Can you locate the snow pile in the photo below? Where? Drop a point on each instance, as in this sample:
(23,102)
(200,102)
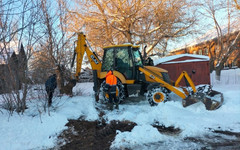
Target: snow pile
(141,134)
(35,130)
(193,120)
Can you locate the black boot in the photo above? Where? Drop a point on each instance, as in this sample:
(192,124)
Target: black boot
(116,106)
(110,106)
(49,101)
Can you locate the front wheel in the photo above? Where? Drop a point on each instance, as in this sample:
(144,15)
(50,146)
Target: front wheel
(120,92)
(156,95)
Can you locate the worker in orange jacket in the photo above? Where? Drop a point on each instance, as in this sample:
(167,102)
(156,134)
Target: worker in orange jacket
(110,87)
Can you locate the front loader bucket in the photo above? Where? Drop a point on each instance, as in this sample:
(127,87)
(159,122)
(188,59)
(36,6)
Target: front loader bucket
(212,99)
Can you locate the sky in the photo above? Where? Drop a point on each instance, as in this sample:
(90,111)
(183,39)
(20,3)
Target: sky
(205,25)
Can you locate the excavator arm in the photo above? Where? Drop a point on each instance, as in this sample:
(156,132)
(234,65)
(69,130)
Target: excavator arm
(187,79)
(210,98)
(158,79)
(80,50)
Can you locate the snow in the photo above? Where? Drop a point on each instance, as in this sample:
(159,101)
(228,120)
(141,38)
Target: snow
(165,60)
(38,131)
(138,135)
(35,130)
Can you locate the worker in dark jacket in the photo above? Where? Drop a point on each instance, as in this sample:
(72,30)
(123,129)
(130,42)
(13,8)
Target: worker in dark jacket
(50,86)
(110,87)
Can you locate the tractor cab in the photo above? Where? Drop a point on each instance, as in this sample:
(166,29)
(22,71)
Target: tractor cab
(123,58)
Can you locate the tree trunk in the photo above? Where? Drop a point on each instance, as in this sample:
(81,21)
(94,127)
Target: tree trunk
(129,37)
(218,71)
(25,91)
(64,82)
(60,80)
(211,64)
(218,74)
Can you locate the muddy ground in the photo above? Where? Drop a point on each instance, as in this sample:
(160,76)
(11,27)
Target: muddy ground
(92,135)
(98,135)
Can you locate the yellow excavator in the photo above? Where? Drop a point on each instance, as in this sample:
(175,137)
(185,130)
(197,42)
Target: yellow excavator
(136,78)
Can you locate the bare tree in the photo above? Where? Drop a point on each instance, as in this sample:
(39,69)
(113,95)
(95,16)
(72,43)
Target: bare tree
(237,4)
(54,51)
(14,25)
(109,22)
(226,39)
(40,26)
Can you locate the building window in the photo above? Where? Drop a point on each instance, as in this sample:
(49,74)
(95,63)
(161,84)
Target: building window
(200,52)
(206,51)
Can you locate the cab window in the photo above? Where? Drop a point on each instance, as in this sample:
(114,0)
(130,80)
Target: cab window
(122,62)
(137,58)
(108,60)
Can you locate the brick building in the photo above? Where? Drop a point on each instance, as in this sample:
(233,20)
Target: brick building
(208,45)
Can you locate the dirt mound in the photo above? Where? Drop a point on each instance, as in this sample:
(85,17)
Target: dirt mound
(97,135)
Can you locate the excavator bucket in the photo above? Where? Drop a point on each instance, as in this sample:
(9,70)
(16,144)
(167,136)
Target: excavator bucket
(210,98)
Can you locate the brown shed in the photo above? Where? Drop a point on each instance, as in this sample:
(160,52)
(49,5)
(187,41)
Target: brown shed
(189,63)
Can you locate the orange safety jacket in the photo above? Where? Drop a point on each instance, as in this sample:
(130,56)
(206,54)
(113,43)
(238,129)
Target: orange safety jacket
(111,79)
(111,82)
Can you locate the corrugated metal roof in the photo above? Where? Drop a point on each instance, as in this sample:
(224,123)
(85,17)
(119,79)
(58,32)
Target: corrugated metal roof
(170,58)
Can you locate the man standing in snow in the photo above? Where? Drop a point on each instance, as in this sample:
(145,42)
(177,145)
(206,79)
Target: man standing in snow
(110,87)
(50,86)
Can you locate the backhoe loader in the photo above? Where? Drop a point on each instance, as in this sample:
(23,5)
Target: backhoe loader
(136,78)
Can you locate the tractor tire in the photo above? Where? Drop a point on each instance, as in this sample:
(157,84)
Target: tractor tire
(156,95)
(103,96)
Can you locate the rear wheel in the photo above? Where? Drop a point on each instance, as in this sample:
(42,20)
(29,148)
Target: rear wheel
(120,93)
(156,95)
